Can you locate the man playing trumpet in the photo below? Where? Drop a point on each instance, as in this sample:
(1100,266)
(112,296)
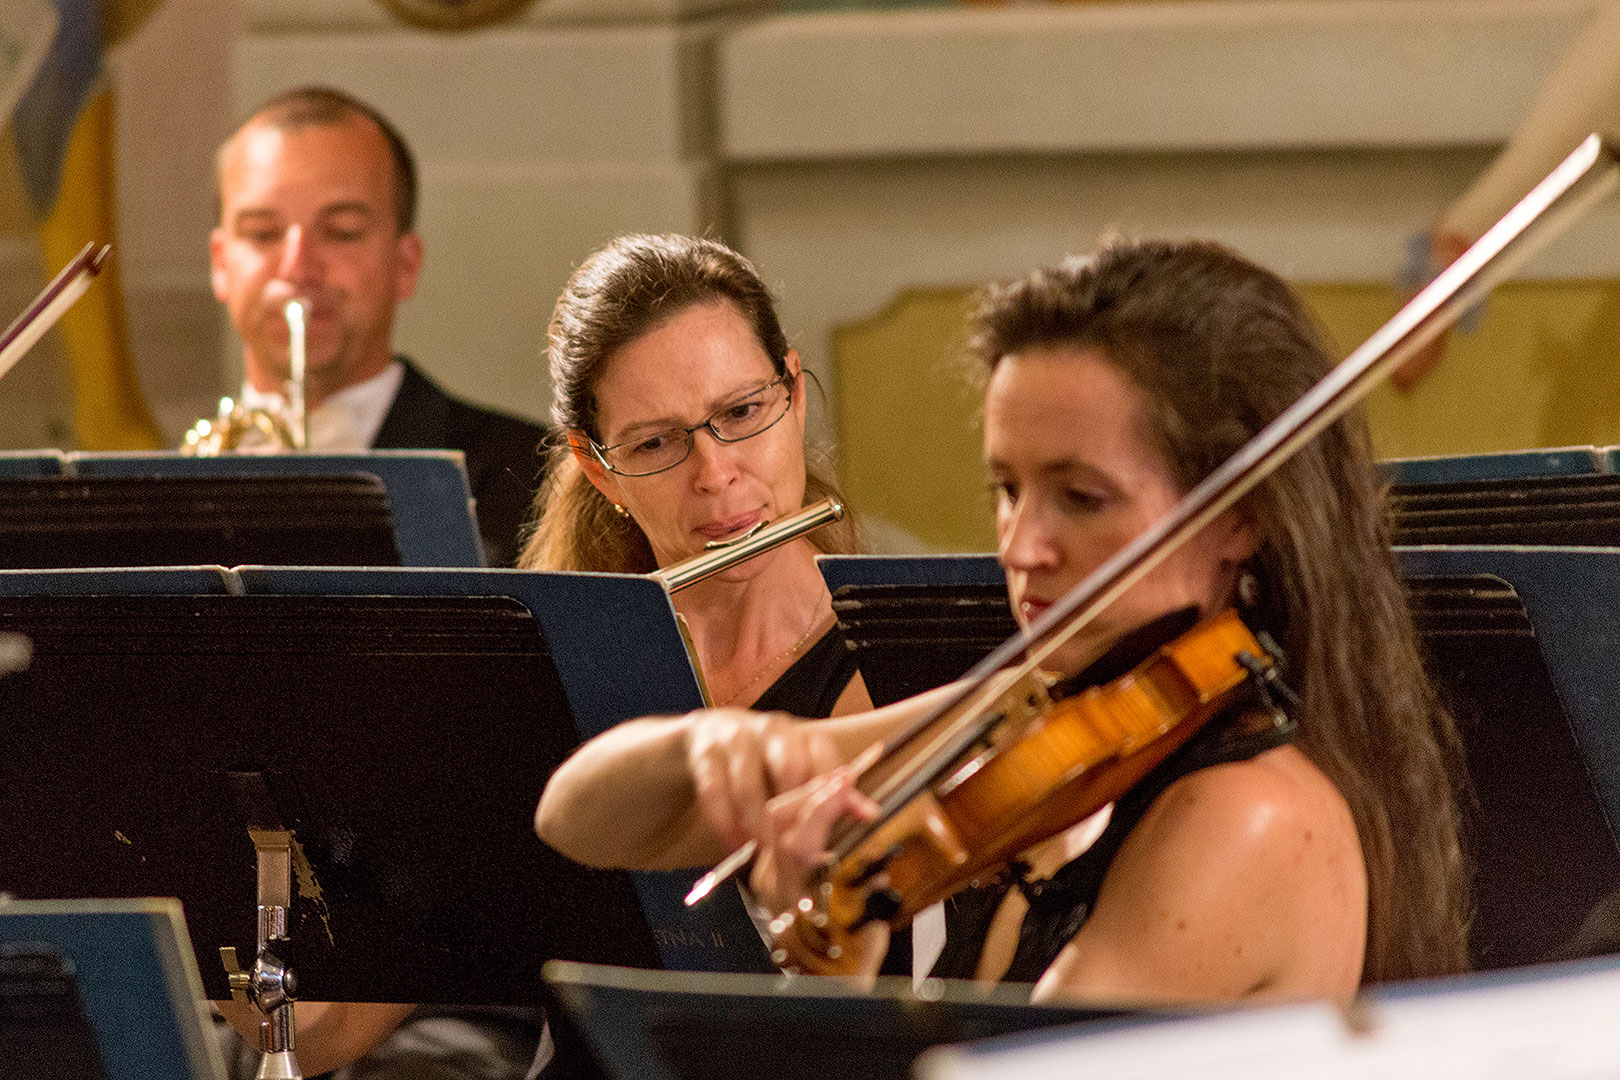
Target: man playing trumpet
(317,197)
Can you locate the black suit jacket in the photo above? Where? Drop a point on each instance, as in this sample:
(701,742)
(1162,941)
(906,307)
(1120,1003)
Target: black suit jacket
(505,458)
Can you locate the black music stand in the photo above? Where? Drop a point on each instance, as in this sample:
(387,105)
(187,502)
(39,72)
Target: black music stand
(648,1025)
(917,621)
(378,508)
(1521,643)
(403,739)
(376,708)
(621,657)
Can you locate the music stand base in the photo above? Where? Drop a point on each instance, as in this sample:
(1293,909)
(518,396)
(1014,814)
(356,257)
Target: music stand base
(279,1066)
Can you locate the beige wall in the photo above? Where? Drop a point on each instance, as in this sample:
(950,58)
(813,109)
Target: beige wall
(173,83)
(853,155)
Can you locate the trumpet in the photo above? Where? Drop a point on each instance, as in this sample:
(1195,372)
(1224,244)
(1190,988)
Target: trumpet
(265,431)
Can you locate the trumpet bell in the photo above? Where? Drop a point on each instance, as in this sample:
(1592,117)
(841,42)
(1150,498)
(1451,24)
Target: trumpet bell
(239,429)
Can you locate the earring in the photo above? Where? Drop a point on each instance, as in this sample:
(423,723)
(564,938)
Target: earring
(1248,588)
(621,511)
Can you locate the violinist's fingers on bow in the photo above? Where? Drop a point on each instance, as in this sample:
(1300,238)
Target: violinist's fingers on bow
(739,760)
(725,767)
(795,757)
(793,847)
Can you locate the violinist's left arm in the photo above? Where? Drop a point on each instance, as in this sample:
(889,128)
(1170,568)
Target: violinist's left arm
(1242,880)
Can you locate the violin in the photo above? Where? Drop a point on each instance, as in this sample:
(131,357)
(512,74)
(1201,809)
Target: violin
(1056,753)
(1006,762)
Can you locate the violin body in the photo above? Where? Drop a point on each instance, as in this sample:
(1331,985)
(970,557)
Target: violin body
(1044,765)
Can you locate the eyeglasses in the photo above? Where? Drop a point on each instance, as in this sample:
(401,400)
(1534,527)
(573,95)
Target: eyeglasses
(744,418)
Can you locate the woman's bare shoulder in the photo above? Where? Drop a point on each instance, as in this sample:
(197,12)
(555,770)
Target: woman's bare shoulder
(1241,879)
(1242,829)
(1279,796)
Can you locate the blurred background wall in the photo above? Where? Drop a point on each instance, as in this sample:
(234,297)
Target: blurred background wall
(876,161)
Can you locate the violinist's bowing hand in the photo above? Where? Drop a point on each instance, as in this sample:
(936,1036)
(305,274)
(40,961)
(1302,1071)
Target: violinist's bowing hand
(699,782)
(740,760)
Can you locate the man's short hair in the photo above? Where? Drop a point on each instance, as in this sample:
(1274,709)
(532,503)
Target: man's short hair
(311,106)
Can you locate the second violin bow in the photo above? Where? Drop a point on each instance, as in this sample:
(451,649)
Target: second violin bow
(51,304)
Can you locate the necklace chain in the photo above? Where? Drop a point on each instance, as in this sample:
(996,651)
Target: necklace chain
(769,670)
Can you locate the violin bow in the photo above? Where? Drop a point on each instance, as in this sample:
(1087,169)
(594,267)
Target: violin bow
(1588,174)
(38,317)
(51,304)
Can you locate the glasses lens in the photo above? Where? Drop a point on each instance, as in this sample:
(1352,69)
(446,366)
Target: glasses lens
(657,452)
(742,419)
(752,415)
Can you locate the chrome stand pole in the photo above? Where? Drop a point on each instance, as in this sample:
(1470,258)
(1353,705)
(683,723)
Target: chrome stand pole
(269,984)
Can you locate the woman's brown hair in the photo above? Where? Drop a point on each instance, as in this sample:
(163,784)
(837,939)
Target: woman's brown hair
(1219,347)
(627,289)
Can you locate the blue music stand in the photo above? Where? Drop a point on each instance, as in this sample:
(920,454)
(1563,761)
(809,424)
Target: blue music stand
(909,570)
(118,973)
(1511,465)
(426,490)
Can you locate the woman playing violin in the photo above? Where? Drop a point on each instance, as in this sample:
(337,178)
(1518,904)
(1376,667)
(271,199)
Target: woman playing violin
(1295,862)
(684,410)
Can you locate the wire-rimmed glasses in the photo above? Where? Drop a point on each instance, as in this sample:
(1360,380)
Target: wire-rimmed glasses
(750,415)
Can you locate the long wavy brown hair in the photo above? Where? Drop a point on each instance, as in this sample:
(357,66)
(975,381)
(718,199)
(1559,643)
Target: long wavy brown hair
(628,289)
(1219,347)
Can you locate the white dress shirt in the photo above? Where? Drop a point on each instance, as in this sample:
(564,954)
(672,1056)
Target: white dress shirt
(348,420)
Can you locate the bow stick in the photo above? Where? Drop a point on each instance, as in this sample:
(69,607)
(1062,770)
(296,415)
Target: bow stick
(51,304)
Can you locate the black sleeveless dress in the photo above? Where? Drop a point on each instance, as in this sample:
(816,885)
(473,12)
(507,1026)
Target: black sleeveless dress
(1060,905)
(812,686)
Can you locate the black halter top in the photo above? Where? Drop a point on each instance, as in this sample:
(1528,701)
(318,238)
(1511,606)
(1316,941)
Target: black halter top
(1059,905)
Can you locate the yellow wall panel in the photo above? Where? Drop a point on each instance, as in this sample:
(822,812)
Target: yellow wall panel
(907,420)
(1542,369)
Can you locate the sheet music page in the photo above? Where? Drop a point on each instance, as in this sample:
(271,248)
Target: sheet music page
(1554,1023)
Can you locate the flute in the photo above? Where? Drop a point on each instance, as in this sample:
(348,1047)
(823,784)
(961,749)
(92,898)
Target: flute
(723,554)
